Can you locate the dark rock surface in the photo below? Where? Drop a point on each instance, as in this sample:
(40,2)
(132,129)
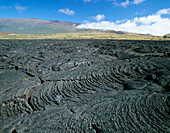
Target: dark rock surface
(84,86)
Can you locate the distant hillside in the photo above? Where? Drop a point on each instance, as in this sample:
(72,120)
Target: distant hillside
(28,27)
(166,36)
(3,33)
(35,26)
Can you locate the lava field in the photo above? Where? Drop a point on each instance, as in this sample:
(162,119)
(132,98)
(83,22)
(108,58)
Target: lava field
(84,86)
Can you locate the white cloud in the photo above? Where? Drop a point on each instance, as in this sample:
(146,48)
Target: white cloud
(66,11)
(115,3)
(151,24)
(125,4)
(121,21)
(95,1)
(163,11)
(99,17)
(20,9)
(136,2)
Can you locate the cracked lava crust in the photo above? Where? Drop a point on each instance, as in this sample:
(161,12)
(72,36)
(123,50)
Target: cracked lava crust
(68,86)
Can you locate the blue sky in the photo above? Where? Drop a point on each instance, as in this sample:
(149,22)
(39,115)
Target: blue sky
(97,14)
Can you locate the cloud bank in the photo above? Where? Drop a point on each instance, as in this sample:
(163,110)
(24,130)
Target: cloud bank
(67,11)
(152,24)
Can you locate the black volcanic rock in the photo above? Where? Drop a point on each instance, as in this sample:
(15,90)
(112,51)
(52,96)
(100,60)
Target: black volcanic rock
(136,84)
(69,86)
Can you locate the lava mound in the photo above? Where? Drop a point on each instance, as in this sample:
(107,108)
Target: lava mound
(69,86)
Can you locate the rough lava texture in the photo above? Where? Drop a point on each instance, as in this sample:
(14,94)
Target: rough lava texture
(95,86)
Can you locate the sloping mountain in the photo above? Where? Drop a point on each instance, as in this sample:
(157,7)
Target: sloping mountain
(28,27)
(3,33)
(167,35)
(35,26)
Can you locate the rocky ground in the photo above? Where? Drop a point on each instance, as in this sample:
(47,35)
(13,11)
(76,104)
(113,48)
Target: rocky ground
(102,86)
